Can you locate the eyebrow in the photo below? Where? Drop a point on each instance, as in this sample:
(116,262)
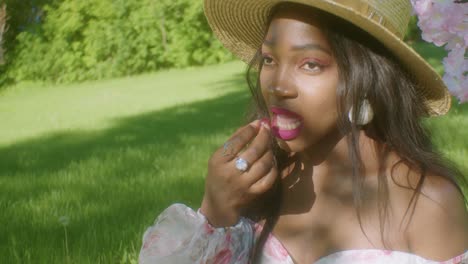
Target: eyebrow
(307,46)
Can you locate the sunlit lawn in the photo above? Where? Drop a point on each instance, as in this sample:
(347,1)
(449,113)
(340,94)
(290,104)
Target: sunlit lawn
(109,156)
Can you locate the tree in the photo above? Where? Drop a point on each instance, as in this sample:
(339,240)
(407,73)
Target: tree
(69,40)
(3,29)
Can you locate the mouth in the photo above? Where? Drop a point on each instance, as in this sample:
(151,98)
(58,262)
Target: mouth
(285,124)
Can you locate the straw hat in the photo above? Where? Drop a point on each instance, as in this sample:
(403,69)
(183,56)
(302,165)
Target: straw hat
(241,25)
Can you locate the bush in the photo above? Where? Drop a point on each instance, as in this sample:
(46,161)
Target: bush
(413,32)
(88,39)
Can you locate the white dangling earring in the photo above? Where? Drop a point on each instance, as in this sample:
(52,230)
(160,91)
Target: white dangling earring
(366,114)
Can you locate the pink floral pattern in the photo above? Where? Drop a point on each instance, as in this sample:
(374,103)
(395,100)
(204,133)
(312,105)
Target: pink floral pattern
(365,256)
(223,257)
(183,236)
(275,250)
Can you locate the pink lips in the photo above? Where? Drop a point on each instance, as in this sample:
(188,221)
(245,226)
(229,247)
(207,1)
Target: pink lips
(285,124)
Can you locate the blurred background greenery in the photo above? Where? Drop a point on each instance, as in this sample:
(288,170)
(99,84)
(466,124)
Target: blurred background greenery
(64,41)
(101,130)
(69,40)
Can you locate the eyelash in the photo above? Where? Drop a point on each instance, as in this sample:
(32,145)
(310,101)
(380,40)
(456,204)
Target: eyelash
(313,63)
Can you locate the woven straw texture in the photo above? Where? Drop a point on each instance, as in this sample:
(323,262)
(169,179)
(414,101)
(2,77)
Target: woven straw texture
(241,25)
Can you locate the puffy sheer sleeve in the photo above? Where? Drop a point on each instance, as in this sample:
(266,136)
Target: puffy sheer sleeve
(181,235)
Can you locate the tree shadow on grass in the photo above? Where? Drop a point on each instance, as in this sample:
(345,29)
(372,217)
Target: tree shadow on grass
(112,183)
(52,152)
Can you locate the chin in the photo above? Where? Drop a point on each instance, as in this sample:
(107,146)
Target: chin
(292,146)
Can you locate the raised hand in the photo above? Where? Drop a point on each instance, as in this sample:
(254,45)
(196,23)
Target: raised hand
(230,188)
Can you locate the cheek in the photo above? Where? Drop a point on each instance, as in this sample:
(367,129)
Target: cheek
(322,91)
(321,101)
(264,84)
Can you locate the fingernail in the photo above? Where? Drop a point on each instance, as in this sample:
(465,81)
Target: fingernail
(265,123)
(255,124)
(266,126)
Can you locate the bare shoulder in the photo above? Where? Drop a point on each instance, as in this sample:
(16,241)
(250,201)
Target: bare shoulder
(438,228)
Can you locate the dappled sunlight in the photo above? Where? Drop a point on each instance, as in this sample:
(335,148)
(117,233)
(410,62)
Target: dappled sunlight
(93,106)
(104,180)
(450,134)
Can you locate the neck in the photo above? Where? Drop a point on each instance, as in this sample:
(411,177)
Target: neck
(327,172)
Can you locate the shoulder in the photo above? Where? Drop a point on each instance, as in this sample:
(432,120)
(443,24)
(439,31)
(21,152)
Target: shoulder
(438,226)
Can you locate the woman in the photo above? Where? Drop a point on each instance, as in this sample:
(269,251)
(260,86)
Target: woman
(338,169)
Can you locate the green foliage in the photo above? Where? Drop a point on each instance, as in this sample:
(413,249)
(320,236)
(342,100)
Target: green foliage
(22,16)
(88,39)
(413,33)
(69,40)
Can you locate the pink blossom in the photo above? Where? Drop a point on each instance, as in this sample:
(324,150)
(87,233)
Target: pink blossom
(451,82)
(463,94)
(458,87)
(422,7)
(442,23)
(455,41)
(455,61)
(456,65)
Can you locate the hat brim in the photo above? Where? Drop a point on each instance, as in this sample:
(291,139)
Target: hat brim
(241,25)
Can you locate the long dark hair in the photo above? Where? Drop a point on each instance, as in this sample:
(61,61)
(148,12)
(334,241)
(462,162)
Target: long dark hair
(366,70)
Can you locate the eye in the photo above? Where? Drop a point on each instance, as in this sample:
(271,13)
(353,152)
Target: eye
(312,66)
(267,60)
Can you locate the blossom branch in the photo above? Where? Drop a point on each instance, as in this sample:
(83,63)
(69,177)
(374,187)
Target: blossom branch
(444,23)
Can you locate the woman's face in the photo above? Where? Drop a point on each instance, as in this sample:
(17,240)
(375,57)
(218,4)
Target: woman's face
(298,80)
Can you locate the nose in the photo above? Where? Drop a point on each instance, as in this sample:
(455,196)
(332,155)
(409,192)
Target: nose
(282,86)
(281,92)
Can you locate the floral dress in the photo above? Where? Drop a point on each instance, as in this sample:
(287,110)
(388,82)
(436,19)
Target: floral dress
(181,235)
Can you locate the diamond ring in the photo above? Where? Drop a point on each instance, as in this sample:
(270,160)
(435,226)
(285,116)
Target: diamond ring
(241,164)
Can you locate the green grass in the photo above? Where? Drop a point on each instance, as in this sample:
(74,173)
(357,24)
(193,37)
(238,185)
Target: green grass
(450,133)
(111,155)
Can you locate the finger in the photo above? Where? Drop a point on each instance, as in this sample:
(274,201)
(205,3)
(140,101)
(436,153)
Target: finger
(258,147)
(265,183)
(259,169)
(238,141)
